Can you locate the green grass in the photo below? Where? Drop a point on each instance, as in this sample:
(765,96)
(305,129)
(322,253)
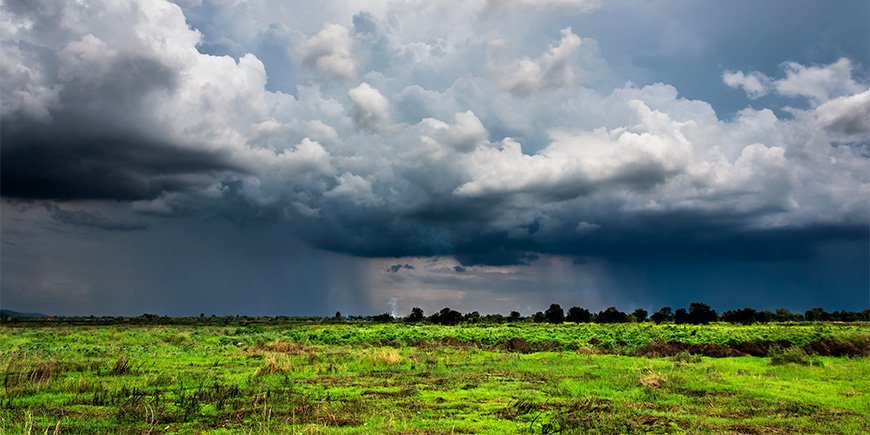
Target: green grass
(393,378)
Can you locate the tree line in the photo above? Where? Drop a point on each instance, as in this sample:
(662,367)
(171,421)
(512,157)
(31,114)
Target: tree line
(697,313)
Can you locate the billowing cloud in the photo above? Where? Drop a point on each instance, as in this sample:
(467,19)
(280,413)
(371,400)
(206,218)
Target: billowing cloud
(819,83)
(371,108)
(552,69)
(330,52)
(755,83)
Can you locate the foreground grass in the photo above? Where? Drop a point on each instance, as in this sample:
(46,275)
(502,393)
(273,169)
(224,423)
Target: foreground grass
(364,378)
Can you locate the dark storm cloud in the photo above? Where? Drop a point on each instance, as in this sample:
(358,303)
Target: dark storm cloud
(75,163)
(98,139)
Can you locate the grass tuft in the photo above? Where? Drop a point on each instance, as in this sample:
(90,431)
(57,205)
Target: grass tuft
(122,366)
(788,355)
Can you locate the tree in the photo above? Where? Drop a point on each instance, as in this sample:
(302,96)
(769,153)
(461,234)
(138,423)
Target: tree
(639,315)
(472,317)
(539,317)
(784,315)
(579,315)
(817,314)
(416,315)
(745,316)
(611,315)
(701,314)
(664,314)
(386,317)
(515,316)
(681,316)
(337,315)
(555,314)
(446,316)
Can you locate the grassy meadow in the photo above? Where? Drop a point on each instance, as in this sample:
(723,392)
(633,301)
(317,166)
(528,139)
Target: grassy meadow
(361,377)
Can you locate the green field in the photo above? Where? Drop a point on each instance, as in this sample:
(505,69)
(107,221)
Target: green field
(359,377)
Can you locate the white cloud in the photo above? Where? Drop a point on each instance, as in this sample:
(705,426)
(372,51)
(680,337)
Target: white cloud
(849,115)
(371,107)
(819,83)
(552,69)
(755,83)
(330,51)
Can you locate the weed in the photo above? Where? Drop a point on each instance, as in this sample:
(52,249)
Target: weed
(788,355)
(122,366)
(686,358)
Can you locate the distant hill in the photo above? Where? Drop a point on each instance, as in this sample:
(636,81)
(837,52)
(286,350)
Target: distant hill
(11,313)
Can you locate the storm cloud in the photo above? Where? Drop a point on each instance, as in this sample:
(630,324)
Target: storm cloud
(394,131)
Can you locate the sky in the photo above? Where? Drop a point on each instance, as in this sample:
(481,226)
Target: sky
(267,157)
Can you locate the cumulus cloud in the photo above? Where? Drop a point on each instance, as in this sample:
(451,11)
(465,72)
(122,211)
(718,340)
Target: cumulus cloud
(552,69)
(849,115)
(371,108)
(818,83)
(755,83)
(330,51)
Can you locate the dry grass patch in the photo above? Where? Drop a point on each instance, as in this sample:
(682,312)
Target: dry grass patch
(273,365)
(386,356)
(652,380)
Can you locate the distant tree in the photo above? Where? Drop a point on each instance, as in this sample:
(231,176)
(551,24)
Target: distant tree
(515,316)
(416,315)
(784,315)
(639,315)
(681,316)
(765,316)
(539,317)
(664,314)
(337,315)
(386,317)
(555,314)
(611,315)
(578,315)
(446,316)
(472,317)
(745,316)
(493,318)
(701,314)
(817,314)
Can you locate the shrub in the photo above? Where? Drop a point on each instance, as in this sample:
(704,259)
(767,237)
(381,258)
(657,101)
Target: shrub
(788,355)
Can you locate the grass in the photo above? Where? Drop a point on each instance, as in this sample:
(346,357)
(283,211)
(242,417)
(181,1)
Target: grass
(394,378)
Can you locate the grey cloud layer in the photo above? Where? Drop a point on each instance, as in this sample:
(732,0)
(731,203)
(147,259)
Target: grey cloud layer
(393,143)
